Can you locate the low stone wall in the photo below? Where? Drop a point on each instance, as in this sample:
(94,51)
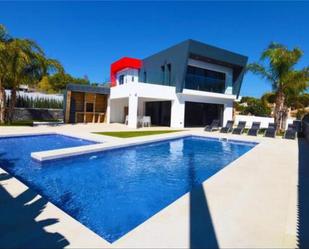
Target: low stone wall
(37,114)
(305,126)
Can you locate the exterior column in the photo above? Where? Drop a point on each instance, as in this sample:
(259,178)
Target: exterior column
(132,117)
(108,110)
(67,107)
(178,113)
(228,112)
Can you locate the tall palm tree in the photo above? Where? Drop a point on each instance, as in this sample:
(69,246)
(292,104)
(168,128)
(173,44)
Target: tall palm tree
(280,71)
(26,64)
(4,39)
(22,61)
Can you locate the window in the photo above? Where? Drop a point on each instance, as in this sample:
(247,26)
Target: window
(145,77)
(169,73)
(163,74)
(205,80)
(89,107)
(121,79)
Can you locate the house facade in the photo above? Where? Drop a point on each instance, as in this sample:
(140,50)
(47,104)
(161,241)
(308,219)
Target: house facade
(186,85)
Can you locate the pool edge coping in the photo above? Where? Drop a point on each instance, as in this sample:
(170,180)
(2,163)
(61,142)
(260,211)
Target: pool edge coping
(50,155)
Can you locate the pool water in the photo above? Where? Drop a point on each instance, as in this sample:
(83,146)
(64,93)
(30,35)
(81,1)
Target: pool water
(114,191)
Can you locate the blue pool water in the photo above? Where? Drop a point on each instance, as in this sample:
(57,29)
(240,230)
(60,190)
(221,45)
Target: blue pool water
(114,191)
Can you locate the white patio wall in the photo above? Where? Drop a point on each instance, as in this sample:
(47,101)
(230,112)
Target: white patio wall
(116,110)
(264,120)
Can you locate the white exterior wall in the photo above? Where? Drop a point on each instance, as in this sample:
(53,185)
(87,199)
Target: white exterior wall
(136,94)
(116,113)
(133,106)
(227,113)
(178,112)
(130,76)
(227,71)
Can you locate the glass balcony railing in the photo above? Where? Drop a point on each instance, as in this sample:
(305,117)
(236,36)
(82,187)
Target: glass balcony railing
(201,83)
(156,77)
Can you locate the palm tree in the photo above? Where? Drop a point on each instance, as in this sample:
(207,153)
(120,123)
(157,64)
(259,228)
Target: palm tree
(4,39)
(280,71)
(22,61)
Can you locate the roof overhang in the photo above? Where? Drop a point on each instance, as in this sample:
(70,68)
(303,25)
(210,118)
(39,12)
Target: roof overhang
(121,64)
(88,89)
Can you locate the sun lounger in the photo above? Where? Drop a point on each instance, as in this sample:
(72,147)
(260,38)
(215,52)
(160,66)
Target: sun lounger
(228,127)
(290,133)
(240,128)
(253,131)
(271,130)
(213,126)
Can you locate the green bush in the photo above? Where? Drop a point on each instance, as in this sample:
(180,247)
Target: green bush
(238,107)
(27,102)
(257,108)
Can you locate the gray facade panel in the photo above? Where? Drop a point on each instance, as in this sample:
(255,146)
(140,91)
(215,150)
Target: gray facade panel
(177,56)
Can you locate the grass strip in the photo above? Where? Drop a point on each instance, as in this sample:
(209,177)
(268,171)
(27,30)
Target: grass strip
(129,134)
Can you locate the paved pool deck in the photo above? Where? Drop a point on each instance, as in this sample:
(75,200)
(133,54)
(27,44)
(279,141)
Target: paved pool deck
(252,203)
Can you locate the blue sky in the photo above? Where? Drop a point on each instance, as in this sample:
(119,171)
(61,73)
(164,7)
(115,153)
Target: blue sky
(87,36)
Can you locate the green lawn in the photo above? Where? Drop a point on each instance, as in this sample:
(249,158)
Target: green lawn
(19,123)
(28,122)
(128,134)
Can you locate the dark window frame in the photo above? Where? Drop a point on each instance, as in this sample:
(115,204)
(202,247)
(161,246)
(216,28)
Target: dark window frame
(121,79)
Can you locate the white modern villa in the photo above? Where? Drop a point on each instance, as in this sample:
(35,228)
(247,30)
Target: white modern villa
(186,85)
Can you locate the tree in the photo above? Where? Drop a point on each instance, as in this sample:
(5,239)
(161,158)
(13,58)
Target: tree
(257,108)
(22,62)
(45,86)
(280,71)
(247,99)
(268,98)
(58,81)
(4,39)
(304,99)
(254,106)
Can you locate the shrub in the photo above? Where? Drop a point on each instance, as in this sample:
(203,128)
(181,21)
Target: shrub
(27,102)
(257,108)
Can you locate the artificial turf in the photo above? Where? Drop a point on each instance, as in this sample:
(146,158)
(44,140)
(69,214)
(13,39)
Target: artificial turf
(128,134)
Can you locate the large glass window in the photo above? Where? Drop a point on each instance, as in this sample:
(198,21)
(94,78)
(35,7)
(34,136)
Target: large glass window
(205,80)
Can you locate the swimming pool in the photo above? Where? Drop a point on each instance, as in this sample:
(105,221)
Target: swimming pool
(114,191)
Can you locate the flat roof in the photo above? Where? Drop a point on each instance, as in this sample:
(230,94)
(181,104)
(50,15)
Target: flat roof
(88,88)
